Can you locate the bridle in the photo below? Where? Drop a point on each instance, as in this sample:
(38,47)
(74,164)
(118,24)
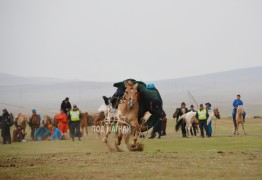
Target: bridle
(131,101)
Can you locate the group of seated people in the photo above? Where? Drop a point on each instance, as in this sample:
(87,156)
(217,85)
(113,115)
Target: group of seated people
(48,133)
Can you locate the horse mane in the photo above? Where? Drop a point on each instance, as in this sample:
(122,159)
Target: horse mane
(239,113)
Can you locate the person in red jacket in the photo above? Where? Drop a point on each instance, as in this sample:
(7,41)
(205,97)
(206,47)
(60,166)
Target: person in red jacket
(62,122)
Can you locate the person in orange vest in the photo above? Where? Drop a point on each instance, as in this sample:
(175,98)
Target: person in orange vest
(62,123)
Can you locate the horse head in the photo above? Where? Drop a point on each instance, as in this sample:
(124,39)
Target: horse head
(240,110)
(130,94)
(217,113)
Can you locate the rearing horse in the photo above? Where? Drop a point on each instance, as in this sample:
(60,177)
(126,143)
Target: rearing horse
(128,113)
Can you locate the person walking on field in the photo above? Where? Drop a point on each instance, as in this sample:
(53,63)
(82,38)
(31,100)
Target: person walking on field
(202,116)
(6,124)
(75,117)
(194,128)
(66,105)
(209,126)
(237,102)
(183,110)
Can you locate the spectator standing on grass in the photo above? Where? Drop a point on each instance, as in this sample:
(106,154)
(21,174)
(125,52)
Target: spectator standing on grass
(62,123)
(75,117)
(66,105)
(202,116)
(6,124)
(183,110)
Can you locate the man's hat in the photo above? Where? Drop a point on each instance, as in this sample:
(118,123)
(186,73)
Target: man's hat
(208,104)
(33,110)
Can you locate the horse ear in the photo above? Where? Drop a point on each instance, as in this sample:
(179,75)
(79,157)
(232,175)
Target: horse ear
(135,86)
(126,84)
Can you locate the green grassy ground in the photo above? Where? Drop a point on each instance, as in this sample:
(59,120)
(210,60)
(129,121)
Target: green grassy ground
(222,157)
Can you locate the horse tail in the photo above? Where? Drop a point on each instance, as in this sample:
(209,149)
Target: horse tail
(179,122)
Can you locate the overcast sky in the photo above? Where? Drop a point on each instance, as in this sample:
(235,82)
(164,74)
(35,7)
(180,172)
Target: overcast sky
(113,40)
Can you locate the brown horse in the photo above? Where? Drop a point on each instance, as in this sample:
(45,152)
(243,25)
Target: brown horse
(84,123)
(95,120)
(128,114)
(239,119)
(21,120)
(34,123)
(47,120)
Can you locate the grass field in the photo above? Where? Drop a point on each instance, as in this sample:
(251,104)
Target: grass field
(222,157)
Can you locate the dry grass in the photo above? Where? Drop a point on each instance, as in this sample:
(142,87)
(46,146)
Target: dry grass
(221,157)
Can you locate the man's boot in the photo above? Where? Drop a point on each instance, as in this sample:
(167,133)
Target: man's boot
(163,133)
(152,136)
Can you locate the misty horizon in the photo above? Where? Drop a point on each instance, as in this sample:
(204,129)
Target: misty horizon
(147,40)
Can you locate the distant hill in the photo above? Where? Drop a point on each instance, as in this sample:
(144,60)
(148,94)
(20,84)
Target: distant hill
(219,89)
(10,80)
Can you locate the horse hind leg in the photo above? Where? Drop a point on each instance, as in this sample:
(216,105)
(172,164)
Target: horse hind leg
(82,132)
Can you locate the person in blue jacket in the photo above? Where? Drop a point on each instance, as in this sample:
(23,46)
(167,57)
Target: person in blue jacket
(237,102)
(41,133)
(57,135)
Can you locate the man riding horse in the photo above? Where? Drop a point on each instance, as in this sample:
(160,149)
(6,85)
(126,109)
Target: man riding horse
(149,100)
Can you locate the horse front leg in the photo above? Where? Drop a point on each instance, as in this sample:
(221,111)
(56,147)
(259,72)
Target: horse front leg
(244,129)
(237,129)
(137,128)
(187,131)
(120,134)
(108,131)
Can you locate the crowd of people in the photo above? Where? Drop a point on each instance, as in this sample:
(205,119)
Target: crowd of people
(149,101)
(202,116)
(68,119)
